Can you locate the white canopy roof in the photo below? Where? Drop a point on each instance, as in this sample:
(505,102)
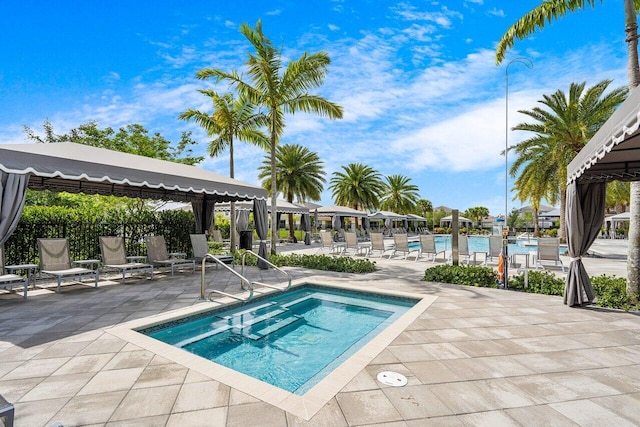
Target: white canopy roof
(282,206)
(332,210)
(614,151)
(414,217)
(81,168)
(387,215)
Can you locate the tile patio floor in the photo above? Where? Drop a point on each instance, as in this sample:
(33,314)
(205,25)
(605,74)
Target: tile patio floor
(474,357)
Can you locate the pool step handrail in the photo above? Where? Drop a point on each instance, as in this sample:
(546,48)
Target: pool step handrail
(271,265)
(232,271)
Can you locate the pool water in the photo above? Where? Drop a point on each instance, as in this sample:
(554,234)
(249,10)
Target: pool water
(481,244)
(292,340)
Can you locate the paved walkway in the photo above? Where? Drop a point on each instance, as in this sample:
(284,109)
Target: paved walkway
(475,357)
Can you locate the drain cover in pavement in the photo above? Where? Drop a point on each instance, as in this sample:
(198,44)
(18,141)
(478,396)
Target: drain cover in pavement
(393,379)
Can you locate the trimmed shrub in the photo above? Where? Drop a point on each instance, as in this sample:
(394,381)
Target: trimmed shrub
(611,292)
(316,262)
(539,282)
(462,275)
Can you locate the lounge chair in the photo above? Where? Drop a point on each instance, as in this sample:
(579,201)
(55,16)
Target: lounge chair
(401,244)
(216,236)
(549,250)
(377,244)
(428,246)
(55,260)
(201,249)
(335,248)
(351,240)
(495,249)
(8,281)
(114,257)
(157,255)
(463,249)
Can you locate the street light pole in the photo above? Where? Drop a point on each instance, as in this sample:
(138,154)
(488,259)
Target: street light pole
(529,64)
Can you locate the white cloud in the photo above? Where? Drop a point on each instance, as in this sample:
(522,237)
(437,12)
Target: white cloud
(333,27)
(496,12)
(274,12)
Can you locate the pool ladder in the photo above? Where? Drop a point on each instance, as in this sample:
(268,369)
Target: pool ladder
(243,279)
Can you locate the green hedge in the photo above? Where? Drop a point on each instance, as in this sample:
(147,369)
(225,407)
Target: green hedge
(316,262)
(611,292)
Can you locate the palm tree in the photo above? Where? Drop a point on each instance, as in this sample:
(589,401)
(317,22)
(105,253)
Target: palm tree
(231,119)
(538,180)
(618,194)
(551,10)
(423,206)
(476,214)
(564,127)
(299,175)
(399,195)
(279,91)
(358,186)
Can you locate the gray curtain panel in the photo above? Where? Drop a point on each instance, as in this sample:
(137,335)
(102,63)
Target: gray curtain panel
(337,223)
(584,216)
(315,220)
(203,209)
(366,223)
(242,220)
(260,217)
(305,224)
(13,188)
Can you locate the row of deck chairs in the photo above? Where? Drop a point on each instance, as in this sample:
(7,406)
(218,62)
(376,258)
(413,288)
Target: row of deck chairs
(55,261)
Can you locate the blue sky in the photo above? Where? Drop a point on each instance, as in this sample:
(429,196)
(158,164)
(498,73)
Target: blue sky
(421,93)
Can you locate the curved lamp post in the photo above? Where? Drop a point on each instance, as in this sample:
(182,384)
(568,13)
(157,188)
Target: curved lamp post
(529,64)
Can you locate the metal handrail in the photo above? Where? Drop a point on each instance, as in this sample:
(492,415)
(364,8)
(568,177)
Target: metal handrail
(232,271)
(270,264)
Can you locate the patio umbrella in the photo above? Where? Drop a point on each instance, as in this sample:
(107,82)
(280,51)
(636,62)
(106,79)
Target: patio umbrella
(337,223)
(405,224)
(304,224)
(365,223)
(262,224)
(315,219)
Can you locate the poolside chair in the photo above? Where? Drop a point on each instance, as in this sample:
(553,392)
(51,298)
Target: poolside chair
(428,246)
(201,249)
(114,257)
(351,241)
(335,248)
(463,249)
(55,261)
(495,249)
(377,244)
(157,255)
(8,281)
(549,250)
(401,244)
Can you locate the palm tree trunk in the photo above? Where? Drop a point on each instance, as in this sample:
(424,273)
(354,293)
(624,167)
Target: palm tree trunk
(232,212)
(633,69)
(536,225)
(274,195)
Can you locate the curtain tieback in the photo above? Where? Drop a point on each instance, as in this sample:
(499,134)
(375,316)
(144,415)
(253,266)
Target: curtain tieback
(576,259)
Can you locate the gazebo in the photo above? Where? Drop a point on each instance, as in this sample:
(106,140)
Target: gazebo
(612,154)
(78,168)
(462,221)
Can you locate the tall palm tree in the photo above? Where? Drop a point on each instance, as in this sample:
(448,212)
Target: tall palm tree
(538,180)
(279,91)
(564,127)
(550,10)
(399,195)
(299,175)
(358,186)
(618,195)
(423,206)
(232,118)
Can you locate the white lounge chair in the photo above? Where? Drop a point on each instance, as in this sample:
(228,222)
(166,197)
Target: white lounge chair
(9,281)
(114,257)
(55,260)
(495,249)
(377,244)
(549,250)
(157,255)
(428,246)
(359,248)
(335,248)
(401,244)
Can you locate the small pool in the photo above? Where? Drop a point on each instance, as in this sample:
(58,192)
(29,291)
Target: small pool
(290,340)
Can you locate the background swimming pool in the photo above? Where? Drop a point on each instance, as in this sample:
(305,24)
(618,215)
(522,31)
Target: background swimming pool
(481,244)
(292,340)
